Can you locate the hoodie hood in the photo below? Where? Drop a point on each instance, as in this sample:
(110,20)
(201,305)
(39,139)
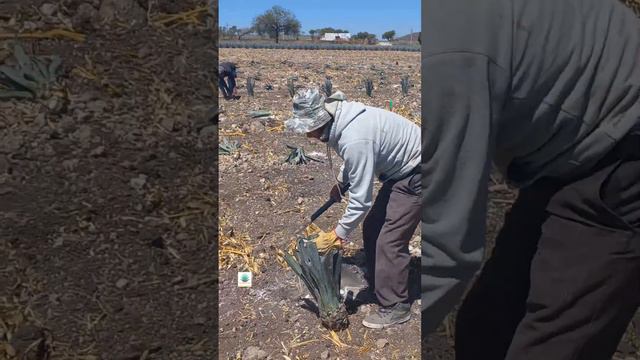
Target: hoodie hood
(344,112)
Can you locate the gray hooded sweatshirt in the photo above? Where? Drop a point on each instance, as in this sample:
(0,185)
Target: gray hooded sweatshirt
(373,143)
(540,88)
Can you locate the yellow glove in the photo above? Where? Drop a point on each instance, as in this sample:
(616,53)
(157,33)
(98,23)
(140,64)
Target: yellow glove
(327,241)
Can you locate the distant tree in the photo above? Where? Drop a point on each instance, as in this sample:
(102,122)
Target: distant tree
(243,32)
(389,35)
(232,31)
(364,36)
(275,22)
(312,32)
(330,30)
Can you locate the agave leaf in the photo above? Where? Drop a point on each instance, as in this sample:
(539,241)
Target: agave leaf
(319,274)
(227,147)
(34,74)
(23,60)
(42,73)
(297,156)
(259,113)
(8,94)
(54,67)
(18,77)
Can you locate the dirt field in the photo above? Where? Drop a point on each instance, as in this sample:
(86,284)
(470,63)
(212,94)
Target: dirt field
(264,202)
(106,201)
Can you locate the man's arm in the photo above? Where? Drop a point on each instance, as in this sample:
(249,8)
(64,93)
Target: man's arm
(359,170)
(460,100)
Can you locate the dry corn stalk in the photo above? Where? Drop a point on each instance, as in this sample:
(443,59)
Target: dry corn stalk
(236,250)
(50,34)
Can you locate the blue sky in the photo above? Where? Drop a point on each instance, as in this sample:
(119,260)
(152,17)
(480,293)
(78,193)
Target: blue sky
(373,16)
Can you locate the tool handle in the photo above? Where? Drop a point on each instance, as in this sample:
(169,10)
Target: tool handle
(328,203)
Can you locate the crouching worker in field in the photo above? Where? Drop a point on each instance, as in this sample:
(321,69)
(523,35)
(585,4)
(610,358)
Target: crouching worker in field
(227,70)
(373,143)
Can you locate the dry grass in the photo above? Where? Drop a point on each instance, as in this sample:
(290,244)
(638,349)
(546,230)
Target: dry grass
(235,250)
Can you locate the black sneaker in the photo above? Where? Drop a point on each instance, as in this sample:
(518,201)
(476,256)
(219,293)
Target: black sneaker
(387,316)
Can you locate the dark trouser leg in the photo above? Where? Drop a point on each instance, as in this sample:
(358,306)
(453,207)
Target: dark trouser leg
(584,277)
(231,83)
(371,228)
(562,280)
(398,213)
(495,304)
(223,87)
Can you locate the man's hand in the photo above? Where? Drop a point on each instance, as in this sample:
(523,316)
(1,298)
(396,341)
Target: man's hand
(328,241)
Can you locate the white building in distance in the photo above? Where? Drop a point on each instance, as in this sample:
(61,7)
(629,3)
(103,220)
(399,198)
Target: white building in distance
(336,37)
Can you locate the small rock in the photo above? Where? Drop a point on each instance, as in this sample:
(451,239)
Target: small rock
(254,353)
(256,127)
(168,123)
(84,17)
(325,354)
(55,104)
(209,131)
(143,52)
(83,134)
(128,165)
(41,119)
(59,241)
(120,284)
(48,9)
(97,152)
(70,164)
(127,11)
(13,143)
(30,26)
(49,150)
(381,343)
(138,182)
(300,201)
(97,106)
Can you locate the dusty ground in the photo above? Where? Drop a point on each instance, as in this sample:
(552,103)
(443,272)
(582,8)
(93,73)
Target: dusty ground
(107,204)
(264,201)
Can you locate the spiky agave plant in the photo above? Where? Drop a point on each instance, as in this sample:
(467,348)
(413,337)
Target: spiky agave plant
(328,87)
(227,147)
(291,87)
(251,82)
(321,274)
(404,83)
(297,156)
(368,86)
(32,77)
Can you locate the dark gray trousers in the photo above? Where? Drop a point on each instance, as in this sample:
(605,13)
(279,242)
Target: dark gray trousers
(387,230)
(563,281)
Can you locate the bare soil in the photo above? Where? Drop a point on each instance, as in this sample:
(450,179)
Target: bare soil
(106,203)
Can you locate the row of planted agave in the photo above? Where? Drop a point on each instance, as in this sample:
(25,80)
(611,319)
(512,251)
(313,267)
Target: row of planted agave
(327,87)
(315,46)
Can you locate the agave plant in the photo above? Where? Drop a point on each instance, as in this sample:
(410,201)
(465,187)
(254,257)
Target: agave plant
(32,77)
(297,156)
(328,87)
(259,113)
(368,86)
(321,274)
(227,147)
(404,83)
(251,82)
(291,87)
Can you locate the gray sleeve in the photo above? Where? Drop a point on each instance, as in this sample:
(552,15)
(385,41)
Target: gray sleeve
(460,98)
(359,164)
